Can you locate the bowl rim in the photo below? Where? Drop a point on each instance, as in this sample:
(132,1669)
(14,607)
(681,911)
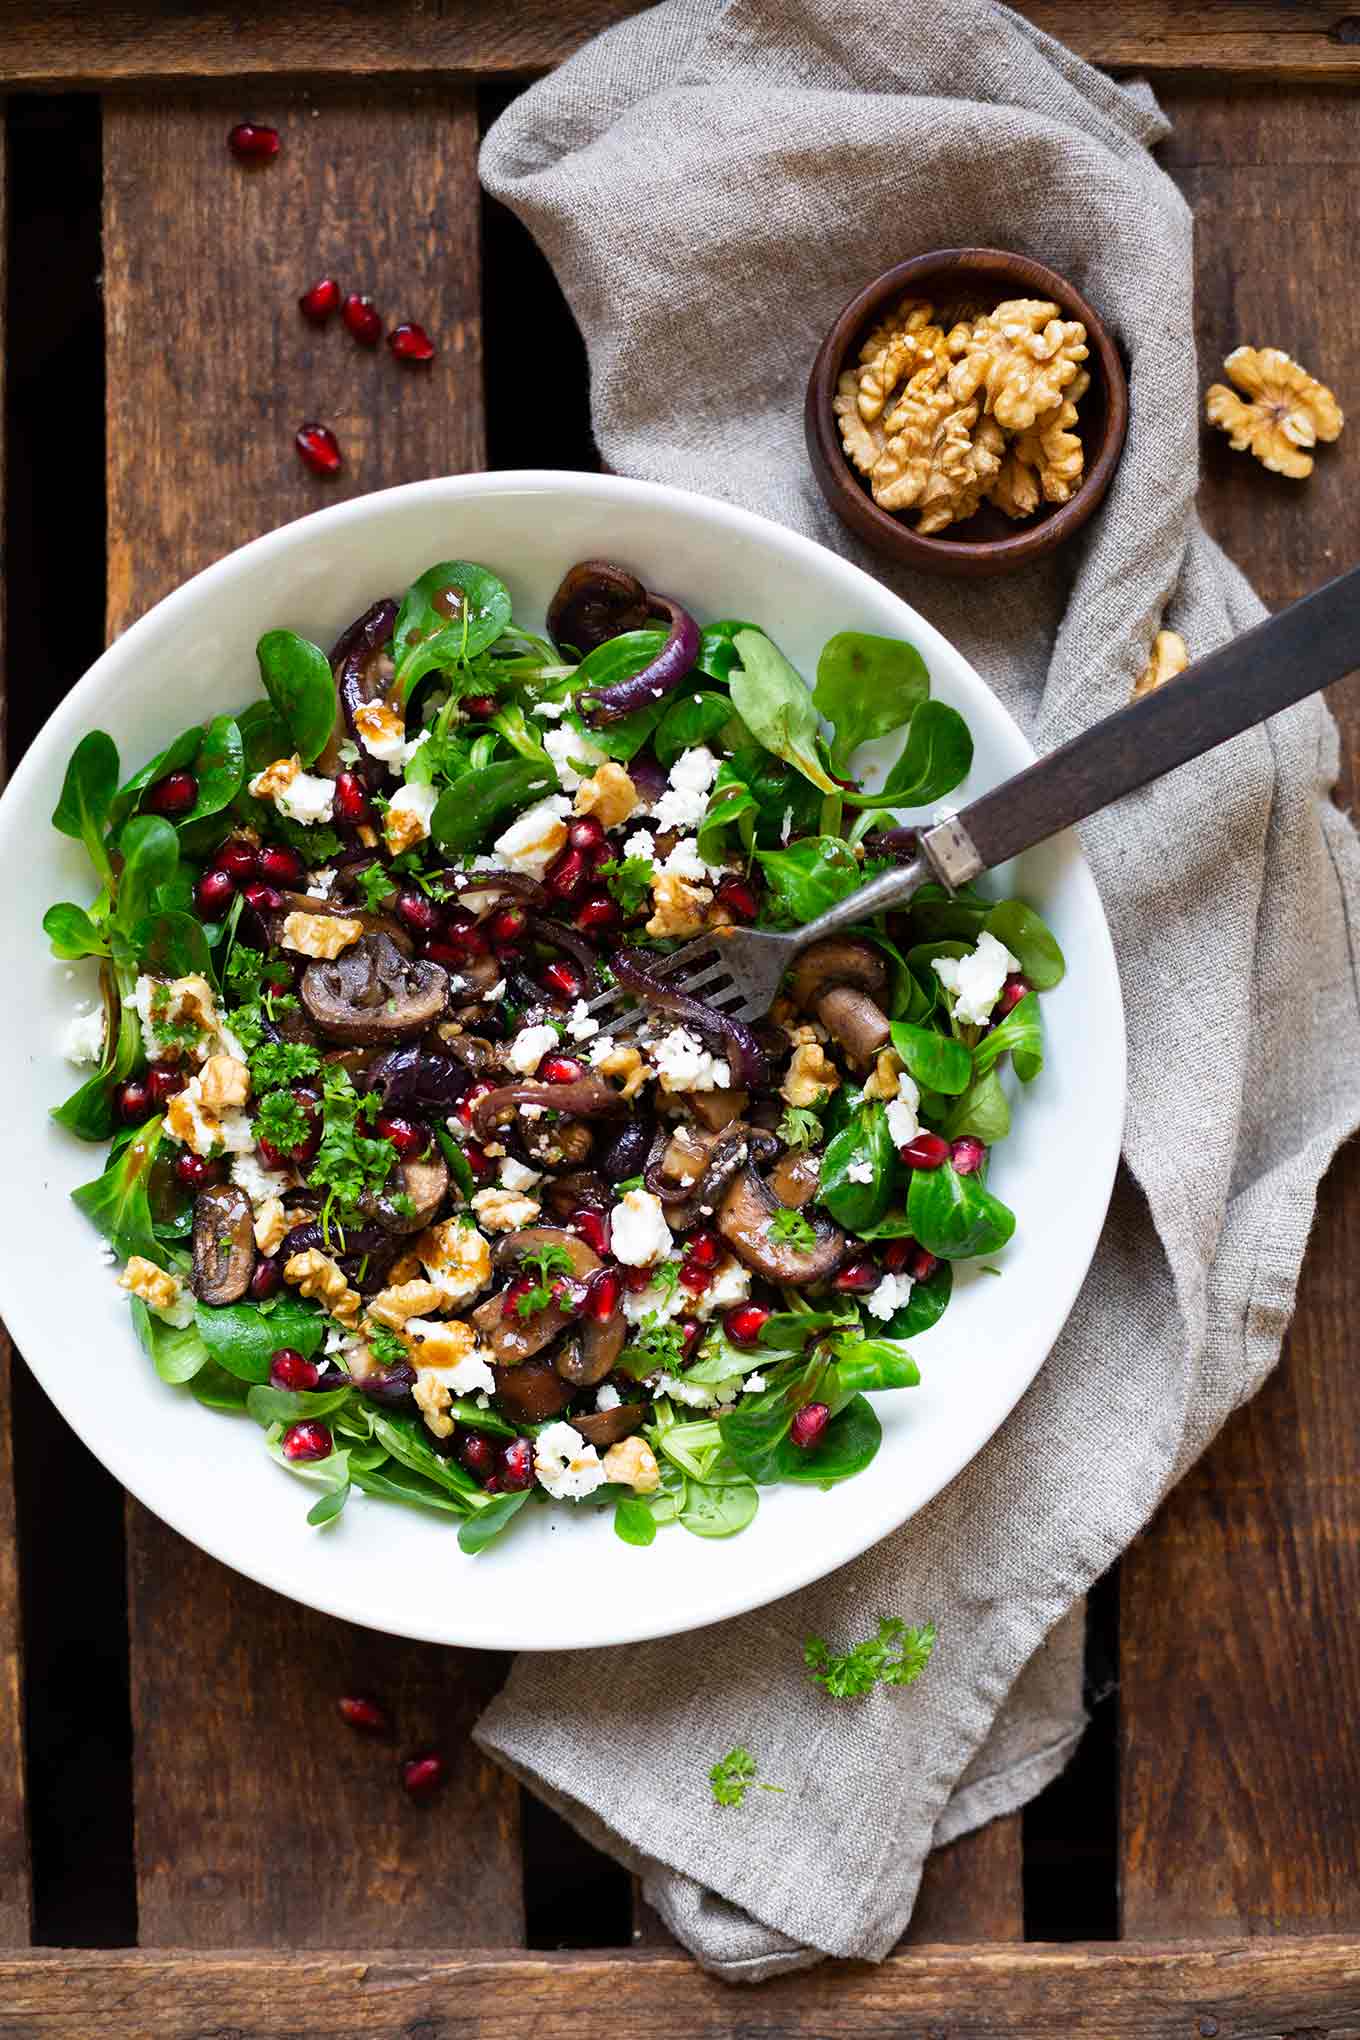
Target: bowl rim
(854,1533)
(845,491)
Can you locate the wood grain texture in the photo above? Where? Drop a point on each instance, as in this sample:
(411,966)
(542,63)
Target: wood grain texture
(1245,1992)
(1240,1672)
(261,1819)
(971,1889)
(92,42)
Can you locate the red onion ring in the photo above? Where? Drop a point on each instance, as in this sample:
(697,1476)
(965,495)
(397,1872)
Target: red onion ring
(666,671)
(574,944)
(588,1099)
(745,1057)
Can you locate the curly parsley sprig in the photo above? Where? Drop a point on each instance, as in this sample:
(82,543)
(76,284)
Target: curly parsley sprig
(733,1776)
(849,1675)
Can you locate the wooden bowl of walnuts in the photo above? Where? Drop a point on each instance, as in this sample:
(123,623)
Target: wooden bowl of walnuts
(966,411)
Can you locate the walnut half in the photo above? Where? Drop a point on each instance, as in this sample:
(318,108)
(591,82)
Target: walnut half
(1288,410)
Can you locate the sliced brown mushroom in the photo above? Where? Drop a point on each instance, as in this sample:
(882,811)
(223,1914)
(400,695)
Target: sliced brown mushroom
(590,1352)
(714,1109)
(532,1391)
(373,994)
(607,1427)
(842,982)
(744,1222)
(513,1338)
(224,1245)
(794,1178)
(422,1183)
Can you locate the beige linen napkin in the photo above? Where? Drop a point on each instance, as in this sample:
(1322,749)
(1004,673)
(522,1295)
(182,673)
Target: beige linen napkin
(711,184)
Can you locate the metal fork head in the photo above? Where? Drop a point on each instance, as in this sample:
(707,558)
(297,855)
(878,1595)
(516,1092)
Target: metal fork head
(736,971)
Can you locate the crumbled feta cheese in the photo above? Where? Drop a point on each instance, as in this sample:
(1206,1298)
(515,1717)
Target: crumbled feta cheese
(529,1112)
(549,711)
(382,732)
(684,1064)
(976,980)
(531,843)
(683,804)
(529,1047)
(639,1230)
(892,1292)
(248,1173)
(640,844)
(580,1025)
(600,1051)
(685,862)
(456,1258)
(82,1039)
(657,1302)
(754,1384)
(567,743)
(407,821)
(731,1284)
(436,1351)
(514,1175)
(860,1172)
(607,1397)
(298,795)
(565,1465)
(319,884)
(903,1125)
(698,1395)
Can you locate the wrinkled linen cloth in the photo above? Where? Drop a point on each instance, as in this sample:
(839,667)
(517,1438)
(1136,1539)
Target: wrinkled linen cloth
(711,183)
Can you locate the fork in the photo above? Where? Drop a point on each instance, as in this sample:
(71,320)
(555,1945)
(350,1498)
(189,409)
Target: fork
(738,971)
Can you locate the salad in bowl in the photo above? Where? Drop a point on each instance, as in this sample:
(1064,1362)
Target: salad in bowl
(375,1177)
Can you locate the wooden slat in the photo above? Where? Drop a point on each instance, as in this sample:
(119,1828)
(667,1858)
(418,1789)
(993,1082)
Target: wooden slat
(261,1819)
(1240,1671)
(1243,1992)
(89,42)
(970,1890)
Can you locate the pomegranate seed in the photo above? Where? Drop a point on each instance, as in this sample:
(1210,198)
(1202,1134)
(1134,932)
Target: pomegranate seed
(250,142)
(416,911)
(406,1136)
(361,1711)
(469,1098)
(521,1286)
(288,1369)
(896,1254)
(351,801)
(307,1440)
(586,833)
(560,1069)
(279,865)
(565,983)
(927,1151)
(593,1228)
(320,301)
(423,1776)
(695,1277)
(132,1103)
(481,707)
(704,1248)
(195,1173)
(265,899)
(460,946)
(476,1452)
(507,927)
(967,1155)
(690,1330)
(239,860)
(477,1160)
(738,897)
(361,319)
(566,874)
(491,1485)
(809,1424)
(265,1281)
(602,1296)
(163,1081)
(213,894)
(517,1464)
(921,1265)
(410,342)
(1012,992)
(635,1280)
(743,1325)
(318,448)
(172,796)
(598,915)
(856,1277)
(570,1295)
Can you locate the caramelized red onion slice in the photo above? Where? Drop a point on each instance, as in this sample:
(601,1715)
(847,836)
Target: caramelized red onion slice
(731,1038)
(568,940)
(352,661)
(589,1098)
(666,671)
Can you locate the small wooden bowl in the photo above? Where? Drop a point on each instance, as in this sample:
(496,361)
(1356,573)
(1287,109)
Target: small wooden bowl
(990,542)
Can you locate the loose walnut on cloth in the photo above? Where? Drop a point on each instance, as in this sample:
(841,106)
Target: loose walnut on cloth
(805,143)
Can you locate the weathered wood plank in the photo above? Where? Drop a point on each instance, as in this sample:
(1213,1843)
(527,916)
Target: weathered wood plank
(971,1889)
(91,42)
(1246,1991)
(1240,1671)
(261,1819)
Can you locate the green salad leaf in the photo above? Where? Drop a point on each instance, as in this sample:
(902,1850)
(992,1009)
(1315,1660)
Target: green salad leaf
(866,687)
(297,678)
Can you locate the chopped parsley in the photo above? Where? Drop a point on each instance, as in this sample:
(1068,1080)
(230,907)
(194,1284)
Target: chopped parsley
(386,1346)
(655,1346)
(547,1265)
(733,1776)
(800,1127)
(280,1119)
(666,1277)
(850,1674)
(377,887)
(629,882)
(349,1161)
(276,1063)
(789,1228)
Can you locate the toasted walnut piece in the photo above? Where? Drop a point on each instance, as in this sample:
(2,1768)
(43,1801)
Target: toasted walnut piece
(633,1464)
(1019,358)
(903,468)
(968,456)
(272,1225)
(276,778)
(320,935)
(609,794)
(316,1275)
(157,1289)
(1170,656)
(401,1300)
(863,443)
(626,1062)
(1045,461)
(457,1259)
(905,354)
(680,908)
(406,1268)
(432,1396)
(504,1210)
(1014,487)
(403,828)
(810,1075)
(224,1084)
(884,1079)
(1289,410)
(907,316)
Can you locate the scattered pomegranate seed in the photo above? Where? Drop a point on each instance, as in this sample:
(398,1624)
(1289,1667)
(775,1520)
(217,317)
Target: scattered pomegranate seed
(416,911)
(602,1298)
(586,833)
(566,874)
(743,1325)
(517,1464)
(521,1286)
(560,1069)
(351,800)
(163,1081)
(809,1424)
(265,899)
(1012,992)
(213,894)
(172,796)
(927,1151)
(695,1277)
(362,1711)
(194,1172)
(598,915)
(469,1098)
(280,865)
(422,1776)
(476,1452)
(856,1277)
(562,980)
(593,1228)
(739,898)
(507,927)
(361,319)
(480,707)
(288,1369)
(704,1248)
(570,1295)
(410,342)
(318,448)
(407,1136)
(318,303)
(896,1254)
(635,1280)
(477,1160)
(307,1440)
(457,946)
(239,860)
(921,1265)
(968,1155)
(132,1102)
(690,1331)
(250,142)
(265,1281)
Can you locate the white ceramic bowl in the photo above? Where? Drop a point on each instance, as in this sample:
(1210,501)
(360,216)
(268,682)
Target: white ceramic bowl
(557,1580)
